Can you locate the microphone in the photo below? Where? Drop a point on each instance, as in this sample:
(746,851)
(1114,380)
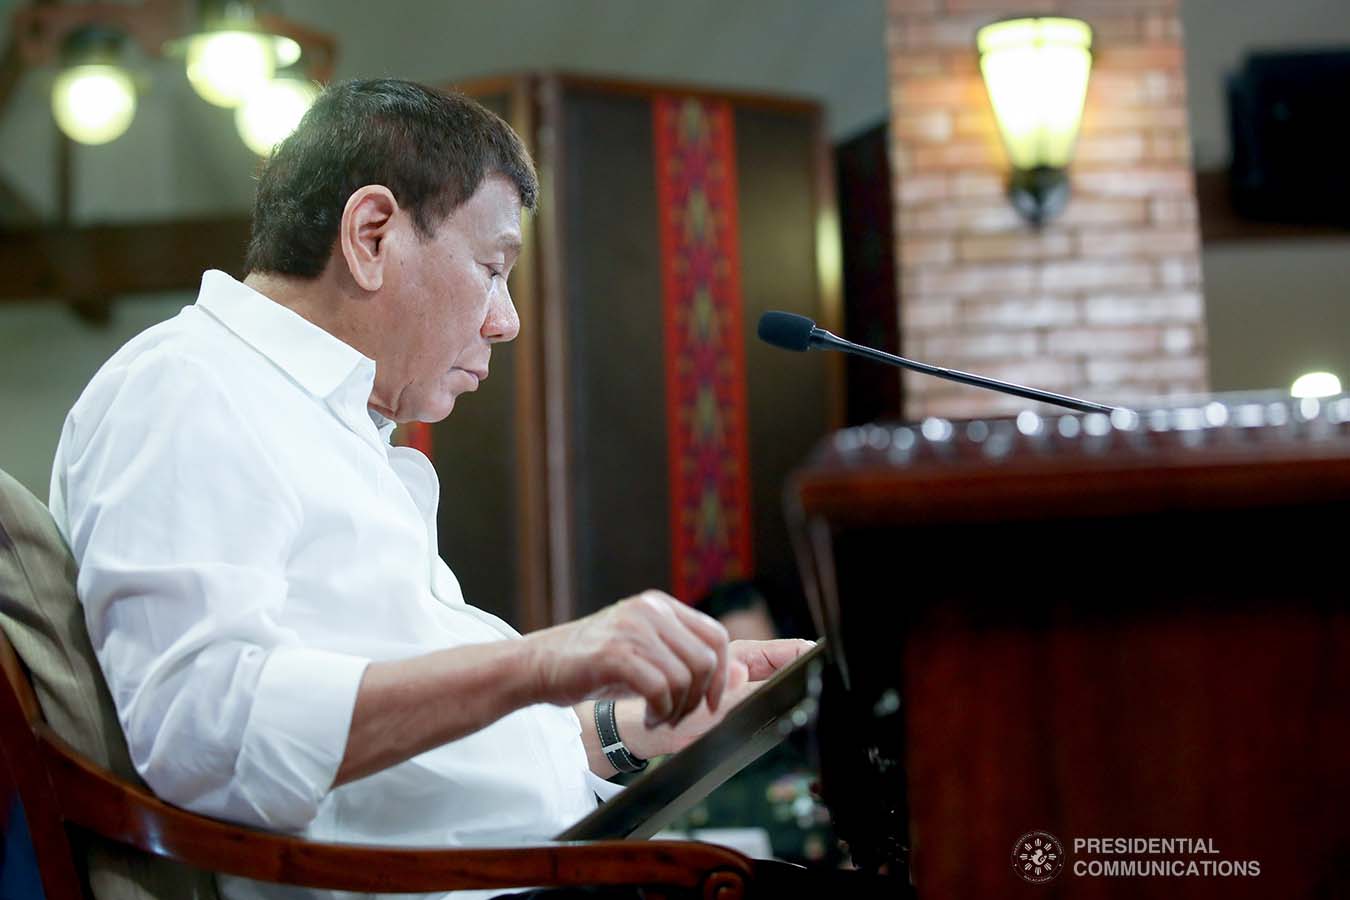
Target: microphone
(793,332)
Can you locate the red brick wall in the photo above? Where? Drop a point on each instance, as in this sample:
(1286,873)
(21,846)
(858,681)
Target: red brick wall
(1104,301)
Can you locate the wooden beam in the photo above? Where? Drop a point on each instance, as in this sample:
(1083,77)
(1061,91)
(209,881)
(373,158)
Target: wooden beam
(15,210)
(551,302)
(100,262)
(534,608)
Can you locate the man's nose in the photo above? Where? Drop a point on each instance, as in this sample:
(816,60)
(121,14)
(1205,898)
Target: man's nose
(503,324)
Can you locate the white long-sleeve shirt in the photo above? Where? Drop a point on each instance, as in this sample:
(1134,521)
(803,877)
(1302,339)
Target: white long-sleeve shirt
(248,541)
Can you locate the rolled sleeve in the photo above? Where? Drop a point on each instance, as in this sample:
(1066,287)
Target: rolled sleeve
(296,733)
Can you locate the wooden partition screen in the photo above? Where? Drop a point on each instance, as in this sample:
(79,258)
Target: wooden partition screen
(636,434)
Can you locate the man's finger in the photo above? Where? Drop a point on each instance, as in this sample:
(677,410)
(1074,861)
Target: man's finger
(680,679)
(737,676)
(652,685)
(698,657)
(762,658)
(711,633)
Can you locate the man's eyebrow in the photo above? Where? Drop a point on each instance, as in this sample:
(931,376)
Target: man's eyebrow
(510,242)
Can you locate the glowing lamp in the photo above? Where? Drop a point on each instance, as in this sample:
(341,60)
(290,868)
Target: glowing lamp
(1036,72)
(232,57)
(1316,384)
(272,112)
(226,67)
(93,98)
(93,103)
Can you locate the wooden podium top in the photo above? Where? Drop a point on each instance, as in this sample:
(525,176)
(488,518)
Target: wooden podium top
(1208,456)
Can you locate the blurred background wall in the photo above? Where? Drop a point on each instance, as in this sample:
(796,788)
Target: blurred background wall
(1273,307)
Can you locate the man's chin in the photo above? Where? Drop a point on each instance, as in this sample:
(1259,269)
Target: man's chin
(429,406)
(427,415)
(440,410)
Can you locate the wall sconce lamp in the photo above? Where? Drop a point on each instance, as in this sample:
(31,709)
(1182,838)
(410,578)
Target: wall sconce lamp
(1036,71)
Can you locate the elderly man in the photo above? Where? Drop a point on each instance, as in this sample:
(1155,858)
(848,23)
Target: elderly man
(258,566)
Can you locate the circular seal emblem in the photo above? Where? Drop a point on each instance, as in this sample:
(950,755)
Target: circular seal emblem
(1038,857)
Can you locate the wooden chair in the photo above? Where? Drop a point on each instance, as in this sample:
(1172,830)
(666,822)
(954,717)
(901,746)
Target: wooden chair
(73,803)
(61,790)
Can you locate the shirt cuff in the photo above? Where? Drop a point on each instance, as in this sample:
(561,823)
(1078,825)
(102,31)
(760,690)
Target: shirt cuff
(297,732)
(605,790)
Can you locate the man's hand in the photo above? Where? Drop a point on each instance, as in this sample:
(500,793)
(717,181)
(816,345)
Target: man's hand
(651,645)
(751,663)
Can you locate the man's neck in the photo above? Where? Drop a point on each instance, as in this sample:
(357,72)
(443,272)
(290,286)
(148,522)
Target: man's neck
(303,297)
(322,304)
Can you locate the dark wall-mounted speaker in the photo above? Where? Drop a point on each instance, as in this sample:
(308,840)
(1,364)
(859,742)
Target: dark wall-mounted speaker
(1288,165)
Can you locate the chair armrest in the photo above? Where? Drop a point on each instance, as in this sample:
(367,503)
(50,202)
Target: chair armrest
(94,799)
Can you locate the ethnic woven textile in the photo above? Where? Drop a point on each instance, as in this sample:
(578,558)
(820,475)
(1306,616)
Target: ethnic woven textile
(416,435)
(704,344)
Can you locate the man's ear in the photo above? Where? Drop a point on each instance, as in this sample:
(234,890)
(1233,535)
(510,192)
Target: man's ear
(367,221)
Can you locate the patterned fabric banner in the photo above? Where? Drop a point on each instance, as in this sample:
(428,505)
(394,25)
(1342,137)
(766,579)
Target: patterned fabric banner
(416,435)
(704,344)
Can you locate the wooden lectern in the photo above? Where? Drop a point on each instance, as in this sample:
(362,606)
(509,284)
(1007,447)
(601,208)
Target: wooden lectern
(1095,629)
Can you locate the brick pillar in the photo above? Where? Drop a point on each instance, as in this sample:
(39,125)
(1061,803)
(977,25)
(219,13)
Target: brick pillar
(1104,301)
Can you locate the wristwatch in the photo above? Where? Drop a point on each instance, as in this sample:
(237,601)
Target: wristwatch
(607,727)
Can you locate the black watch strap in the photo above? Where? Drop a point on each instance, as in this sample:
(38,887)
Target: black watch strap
(607,727)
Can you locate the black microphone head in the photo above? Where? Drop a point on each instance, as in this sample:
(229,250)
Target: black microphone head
(787,330)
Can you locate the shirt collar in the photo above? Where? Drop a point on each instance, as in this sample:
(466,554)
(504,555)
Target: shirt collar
(385,426)
(319,362)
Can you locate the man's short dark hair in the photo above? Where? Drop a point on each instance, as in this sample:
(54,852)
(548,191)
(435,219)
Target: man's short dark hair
(431,148)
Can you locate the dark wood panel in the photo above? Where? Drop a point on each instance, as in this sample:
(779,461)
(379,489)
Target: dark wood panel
(871,286)
(787,392)
(617,392)
(1152,676)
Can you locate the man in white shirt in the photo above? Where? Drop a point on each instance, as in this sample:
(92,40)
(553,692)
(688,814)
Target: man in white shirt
(259,567)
